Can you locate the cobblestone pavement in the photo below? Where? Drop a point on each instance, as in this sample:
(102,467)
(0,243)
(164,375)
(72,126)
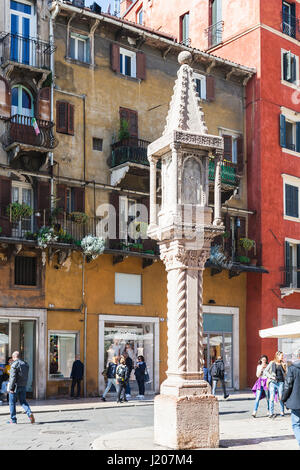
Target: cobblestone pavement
(95,426)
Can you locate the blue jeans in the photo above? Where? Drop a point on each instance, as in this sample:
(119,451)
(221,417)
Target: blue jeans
(110,382)
(214,386)
(257,398)
(272,389)
(295,414)
(20,394)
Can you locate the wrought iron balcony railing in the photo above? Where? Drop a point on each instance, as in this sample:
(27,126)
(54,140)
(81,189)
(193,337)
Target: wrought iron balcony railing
(214,34)
(228,172)
(26,51)
(131,150)
(20,129)
(290,277)
(290,25)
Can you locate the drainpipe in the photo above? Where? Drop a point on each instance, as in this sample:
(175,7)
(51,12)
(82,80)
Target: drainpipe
(85,324)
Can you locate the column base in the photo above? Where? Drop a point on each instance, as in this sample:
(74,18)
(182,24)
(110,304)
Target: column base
(186,422)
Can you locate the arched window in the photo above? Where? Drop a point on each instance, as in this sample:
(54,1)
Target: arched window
(21,101)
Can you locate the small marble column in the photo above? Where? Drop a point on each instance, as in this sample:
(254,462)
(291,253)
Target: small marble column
(217,194)
(153,214)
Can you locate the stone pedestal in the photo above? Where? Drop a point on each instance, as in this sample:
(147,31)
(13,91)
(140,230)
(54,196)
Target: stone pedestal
(187,422)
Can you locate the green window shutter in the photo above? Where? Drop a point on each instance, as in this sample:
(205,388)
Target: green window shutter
(288,271)
(282,131)
(293,69)
(297,136)
(298,266)
(291,201)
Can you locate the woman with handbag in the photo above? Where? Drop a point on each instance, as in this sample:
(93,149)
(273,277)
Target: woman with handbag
(260,387)
(275,372)
(140,370)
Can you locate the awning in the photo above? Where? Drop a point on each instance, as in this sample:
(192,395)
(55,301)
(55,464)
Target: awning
(289,330)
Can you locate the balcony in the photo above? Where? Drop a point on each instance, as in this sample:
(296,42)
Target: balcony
(290,25)
(228,173)
(131,150)
(21,139)
(214,34)
(25,52)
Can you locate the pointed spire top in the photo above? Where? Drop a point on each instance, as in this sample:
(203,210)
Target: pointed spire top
(185,112)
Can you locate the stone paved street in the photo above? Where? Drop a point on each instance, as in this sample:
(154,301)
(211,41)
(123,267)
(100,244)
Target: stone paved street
(84,425)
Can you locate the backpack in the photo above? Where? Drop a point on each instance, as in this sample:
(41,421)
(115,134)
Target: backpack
(121,373)
(216,370)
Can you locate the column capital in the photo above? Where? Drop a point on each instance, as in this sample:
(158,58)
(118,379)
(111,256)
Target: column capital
(176,256)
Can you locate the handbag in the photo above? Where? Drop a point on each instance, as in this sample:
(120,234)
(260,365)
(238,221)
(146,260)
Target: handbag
(147,377)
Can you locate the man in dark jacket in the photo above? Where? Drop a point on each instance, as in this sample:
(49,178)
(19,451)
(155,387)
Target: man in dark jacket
(76,375)
(17,388)
(217,372)
(129,365)
(291,395)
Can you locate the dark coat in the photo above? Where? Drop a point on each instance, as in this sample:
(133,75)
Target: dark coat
(140,371)
(217,370)
(129,364)
(18,374)
(77,370)
(291,388)
(122,373)
(111,370)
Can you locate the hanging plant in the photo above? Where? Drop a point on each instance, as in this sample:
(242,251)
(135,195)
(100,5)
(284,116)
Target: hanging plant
(46,236)
(17,211)
(247,243)
(79,218)
(92,246)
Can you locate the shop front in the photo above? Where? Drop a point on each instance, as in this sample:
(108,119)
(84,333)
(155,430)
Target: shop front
(138,336)
(23,330)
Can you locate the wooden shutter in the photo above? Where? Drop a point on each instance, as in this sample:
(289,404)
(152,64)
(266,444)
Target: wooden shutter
(43,202)
(44,103)
(141,65)
(240,155)
(227,147)
(285,65)
(282,131)
(5,98)
(61,197)
(297,136)
(132,118)
(70,119)
(228,241)
(62,116)
(210,88)
(115,57)
(298,266)
(79,199)
(114,201)
(288,262)
(5,200)
(291,200)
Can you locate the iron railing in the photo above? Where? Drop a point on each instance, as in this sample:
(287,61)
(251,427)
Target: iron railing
(20,129)
(26,51)
(290,277)
(290,25)
(228,172)
(131,150)
(214,34)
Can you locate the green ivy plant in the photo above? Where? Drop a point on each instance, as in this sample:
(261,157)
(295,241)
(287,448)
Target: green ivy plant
(124,130)
(17,211)
(247,243)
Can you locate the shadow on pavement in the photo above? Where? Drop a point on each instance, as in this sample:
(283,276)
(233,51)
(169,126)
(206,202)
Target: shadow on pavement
(251,441)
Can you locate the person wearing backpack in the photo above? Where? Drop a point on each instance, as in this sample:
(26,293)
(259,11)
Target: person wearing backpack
(217,372)
(122,377)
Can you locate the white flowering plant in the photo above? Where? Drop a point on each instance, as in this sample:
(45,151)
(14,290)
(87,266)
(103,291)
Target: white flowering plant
(46,236)
(92,246)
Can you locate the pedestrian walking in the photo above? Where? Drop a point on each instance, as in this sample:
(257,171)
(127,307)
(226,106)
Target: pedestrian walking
(17,388)
(217,372)
(122,377)
(140,370)
(275,372)
(129,364)
(260,387)
(111,376)
(76,375)
(291,394)
(206,374)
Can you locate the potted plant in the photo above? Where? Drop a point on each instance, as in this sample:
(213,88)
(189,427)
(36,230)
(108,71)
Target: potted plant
(46,236)
(226,234)
(244,259)
(17,211)
(247,244)
(92,247)
(79,218)
(124,130)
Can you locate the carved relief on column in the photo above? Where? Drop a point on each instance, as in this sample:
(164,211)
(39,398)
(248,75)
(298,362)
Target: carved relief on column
(218,188)
(200,322)
(181,319)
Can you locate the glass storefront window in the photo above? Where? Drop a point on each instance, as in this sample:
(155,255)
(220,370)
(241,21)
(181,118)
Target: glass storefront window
(136,340)
(289,345)
(4,342)
(62,350)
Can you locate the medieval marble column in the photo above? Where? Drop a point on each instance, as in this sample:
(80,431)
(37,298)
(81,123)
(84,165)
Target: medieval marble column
(185,412)
(217,193)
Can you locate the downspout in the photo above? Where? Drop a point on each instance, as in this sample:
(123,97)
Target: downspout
(53,15)
(85,324)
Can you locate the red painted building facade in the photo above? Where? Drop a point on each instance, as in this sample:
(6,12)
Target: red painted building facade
(265,35)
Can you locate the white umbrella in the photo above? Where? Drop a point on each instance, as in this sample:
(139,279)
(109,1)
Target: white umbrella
(289,330)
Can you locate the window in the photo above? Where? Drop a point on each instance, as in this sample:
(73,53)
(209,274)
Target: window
(292,264)
(21,101)
(64,117)
(215,29)
(127,63)
(290,67)
(290,133)
(200,85)
(63,346)
(289,19)
(97,144)
(184,29)
(128,289)
(22,28)
(139,16)
(79,48)
(231,148)
(22,193)
(25,271)
(131,117)
(291,201)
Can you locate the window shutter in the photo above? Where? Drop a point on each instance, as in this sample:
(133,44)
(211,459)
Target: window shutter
(141,65)
(115,57)
(285,65)
(5,98)
(227,147)
(291,201)
(43,202)
(62,117)
(5,200)
(61,197)
(79,199)
(114,201)
(240,155)
(210,88)
(288,270)
(228,241)
(282,131)
(44,103)
(293,69)
(70,119)
(133,124)
(297,136)
(298,266)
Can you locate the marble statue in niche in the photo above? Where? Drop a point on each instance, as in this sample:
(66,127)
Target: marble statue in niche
(191,182)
